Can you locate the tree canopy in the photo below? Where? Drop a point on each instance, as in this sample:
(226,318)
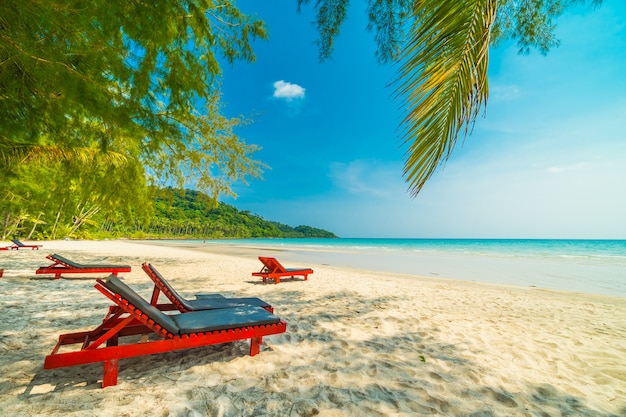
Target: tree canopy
(184,213)
(100,99)
(167,214)
(136,80)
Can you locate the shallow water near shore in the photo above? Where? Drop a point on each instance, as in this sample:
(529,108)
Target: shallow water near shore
(587,266)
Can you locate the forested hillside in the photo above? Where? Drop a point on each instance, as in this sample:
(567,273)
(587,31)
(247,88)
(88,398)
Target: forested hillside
(166,214)
(187,214)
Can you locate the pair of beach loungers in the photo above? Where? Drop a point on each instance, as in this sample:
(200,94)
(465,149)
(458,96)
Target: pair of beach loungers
(272,269)
(19,245)
(207,320)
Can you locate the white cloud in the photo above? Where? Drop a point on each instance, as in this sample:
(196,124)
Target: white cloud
(288,91)
(367,177)
(504,93)
(565,168)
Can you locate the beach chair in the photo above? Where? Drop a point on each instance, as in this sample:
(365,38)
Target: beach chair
(19,245)
(136,316)
(272,269)
(63,265)
(202,301)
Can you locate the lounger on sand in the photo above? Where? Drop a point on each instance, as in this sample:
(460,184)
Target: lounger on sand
(202,301)
(136,316)
(19,245)
(63,265)
(272,269)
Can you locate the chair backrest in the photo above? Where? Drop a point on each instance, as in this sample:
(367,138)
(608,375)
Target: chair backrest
(65,261)
(17,242)
(272,264)
(165,287)
(116,286)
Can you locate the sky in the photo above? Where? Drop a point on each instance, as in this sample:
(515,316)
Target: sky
(546,159)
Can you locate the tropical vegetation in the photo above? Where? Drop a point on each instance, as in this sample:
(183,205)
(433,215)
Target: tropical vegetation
(173,214)
(103,102)
(134,82)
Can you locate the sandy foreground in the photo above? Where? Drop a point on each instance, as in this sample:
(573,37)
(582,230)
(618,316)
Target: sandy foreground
(358,343)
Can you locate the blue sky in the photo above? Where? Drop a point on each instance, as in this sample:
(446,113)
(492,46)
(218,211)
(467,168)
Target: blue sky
(547,160)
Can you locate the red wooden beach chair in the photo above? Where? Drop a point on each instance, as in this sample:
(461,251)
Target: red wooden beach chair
(63,265)
(202,301)
(272,269)
(136,316)
(19,245)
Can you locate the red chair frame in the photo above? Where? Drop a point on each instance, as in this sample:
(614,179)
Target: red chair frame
(102,343)
(162,286)
(272,269)
(62,265)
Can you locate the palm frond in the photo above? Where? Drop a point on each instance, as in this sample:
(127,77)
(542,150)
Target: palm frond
(442,80)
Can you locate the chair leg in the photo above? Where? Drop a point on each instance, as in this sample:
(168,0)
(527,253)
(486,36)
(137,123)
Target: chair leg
(110,373)
(255,344)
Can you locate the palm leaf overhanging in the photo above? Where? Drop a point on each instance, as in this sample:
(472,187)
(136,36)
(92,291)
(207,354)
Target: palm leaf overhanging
(442,80)
(441,48)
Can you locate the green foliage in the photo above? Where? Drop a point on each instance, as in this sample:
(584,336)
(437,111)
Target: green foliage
(443,80)
(531,22)
(191,214)
(62,198)
(55,208)
(442,48)
(99,100)
(136,79)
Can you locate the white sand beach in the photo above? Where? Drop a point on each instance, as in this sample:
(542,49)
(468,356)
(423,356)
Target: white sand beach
(358,343)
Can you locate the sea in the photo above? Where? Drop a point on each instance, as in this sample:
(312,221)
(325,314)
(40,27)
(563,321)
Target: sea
(587,266)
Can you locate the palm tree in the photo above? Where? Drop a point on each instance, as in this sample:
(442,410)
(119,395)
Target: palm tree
(442,80)
(442,47)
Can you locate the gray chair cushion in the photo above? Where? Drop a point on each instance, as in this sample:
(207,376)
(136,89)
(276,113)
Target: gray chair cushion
(195,321)
(207,303)
(226,318)
(162,319)
(83,266)
(212,295)
(215,303)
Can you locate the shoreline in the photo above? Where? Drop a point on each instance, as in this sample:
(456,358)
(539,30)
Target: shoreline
(523,271)
(358,342)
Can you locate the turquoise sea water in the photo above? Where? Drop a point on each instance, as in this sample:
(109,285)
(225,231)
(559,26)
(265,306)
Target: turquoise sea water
(590,266)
